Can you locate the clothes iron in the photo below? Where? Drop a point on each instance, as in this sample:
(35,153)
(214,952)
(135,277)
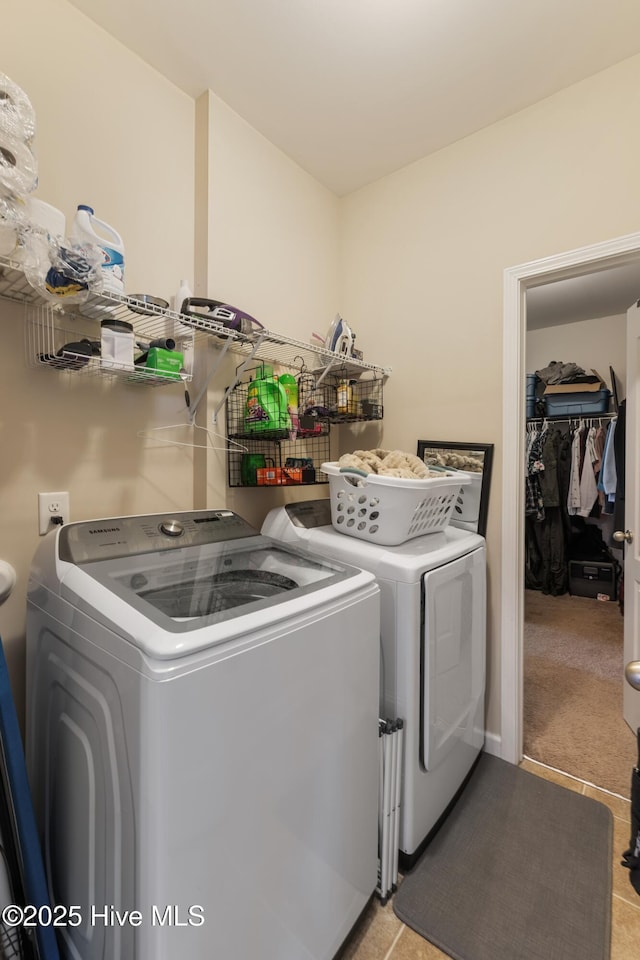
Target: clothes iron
(339,339)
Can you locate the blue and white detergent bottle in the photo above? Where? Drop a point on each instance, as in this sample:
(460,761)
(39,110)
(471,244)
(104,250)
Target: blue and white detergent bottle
(88,229)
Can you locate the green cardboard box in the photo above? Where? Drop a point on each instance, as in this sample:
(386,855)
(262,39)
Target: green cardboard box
(166,363)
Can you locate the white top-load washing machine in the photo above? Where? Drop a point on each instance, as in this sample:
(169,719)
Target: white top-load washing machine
(433,636)
(202,739)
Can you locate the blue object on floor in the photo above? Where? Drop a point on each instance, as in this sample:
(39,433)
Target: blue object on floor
(19,833)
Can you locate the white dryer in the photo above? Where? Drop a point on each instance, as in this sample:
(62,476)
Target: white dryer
(202,739)
(433,638)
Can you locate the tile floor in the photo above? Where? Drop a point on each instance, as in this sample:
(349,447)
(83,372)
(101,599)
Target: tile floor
(380,935)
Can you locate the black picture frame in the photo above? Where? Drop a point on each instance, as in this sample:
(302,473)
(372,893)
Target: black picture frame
(480,450)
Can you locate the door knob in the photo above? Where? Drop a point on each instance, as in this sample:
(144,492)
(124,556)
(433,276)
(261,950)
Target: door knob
(632,673)
(622,536)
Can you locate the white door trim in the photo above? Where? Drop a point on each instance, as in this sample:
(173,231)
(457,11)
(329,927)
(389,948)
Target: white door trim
(517,280)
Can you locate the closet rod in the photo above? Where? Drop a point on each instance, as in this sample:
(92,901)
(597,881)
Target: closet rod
(576,417)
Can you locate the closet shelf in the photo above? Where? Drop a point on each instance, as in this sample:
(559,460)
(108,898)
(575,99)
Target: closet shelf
(570,418)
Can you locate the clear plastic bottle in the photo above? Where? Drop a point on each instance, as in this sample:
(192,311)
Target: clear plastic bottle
(184,292)
(182,334)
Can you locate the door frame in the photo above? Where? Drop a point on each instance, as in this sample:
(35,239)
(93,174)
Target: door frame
(517,280)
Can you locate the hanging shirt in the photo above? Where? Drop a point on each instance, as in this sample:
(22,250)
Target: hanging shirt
(608,477)
(588,487)
(548,478)
(619,453)
(534,502)
(573,497)
(601,436)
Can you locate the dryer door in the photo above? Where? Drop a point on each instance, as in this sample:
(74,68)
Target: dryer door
(453,657)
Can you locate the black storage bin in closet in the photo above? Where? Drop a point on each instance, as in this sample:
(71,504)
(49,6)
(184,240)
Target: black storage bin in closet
(592,578)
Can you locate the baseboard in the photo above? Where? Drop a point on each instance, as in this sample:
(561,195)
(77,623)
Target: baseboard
(493,744)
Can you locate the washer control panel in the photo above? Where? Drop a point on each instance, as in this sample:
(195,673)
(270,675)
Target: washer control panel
(172,528)
(129,536)
(309,513)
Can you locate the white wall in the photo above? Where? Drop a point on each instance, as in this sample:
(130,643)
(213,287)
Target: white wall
(597,344)
(274,231)
(113,133)
(425,251)
(273,242)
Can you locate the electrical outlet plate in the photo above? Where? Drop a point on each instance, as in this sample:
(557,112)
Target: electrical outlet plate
(50,506)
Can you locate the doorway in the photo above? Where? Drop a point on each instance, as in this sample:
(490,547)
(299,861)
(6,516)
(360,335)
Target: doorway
(517,280)
(573,636)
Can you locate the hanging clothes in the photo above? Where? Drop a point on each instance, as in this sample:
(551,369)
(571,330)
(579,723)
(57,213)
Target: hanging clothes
(607,482)
(552,531)
(564,469)
(545,529)
(599,444)
(620,458)
(573,496)
(534,504)
(533,510)
(588,483)
(601,436)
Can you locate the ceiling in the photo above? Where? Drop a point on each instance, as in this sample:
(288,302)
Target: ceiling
(352,90)
(606,293)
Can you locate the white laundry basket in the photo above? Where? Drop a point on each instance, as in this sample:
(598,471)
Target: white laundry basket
(390,510)
(467,505)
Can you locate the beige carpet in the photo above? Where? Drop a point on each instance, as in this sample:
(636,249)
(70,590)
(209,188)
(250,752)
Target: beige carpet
(573,676)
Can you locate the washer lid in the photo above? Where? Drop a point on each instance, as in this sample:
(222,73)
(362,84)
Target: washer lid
(174,602)
(302,524)
(405,562)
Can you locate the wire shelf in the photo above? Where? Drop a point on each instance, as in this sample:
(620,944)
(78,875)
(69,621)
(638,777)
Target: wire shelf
(320,402)
(11,947)
(270,462)
(14,284)
(151,322)
(56,325)
(277,454)
(76,351)
(53,331)
(301,356)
